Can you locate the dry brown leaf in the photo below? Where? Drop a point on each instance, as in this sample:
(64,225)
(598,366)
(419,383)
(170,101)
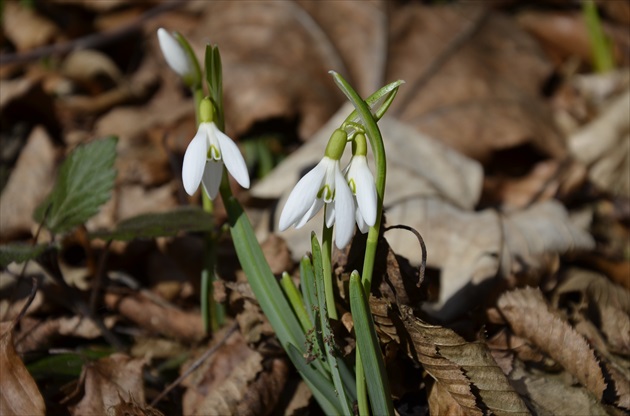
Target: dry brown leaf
(235,380)
(29,183)
(25,27)
(20,395)
(162,319)
(441,402)
(466,369)
(530,317)
(551,395)
(486,95)
(110,381)
(604,146)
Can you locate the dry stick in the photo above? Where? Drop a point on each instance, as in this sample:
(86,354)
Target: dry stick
(91,41)
(423,264)
(31,296)
(435,65)
(195,365)
(97,283)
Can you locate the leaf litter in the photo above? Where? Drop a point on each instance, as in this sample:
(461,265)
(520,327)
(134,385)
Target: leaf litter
(506,153)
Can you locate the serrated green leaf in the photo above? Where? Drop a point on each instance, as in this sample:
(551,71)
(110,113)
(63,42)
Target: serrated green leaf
(164,224)
(85,181)
(19,253)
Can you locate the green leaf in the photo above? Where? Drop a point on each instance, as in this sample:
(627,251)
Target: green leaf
(334,362)
(214,79)
(193,81)
(296,301)
(164,224)
(320,386)
(85,181)
(367,342)
(19,253)
(65,366)
(386,94)
(307,285)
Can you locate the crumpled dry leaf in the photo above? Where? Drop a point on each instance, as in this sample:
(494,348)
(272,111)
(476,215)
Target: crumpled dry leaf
(604,146)
(530,317)
(20,395)
(486,96)
(286,35)
(466,369)
(110,381)
(235,380)
(29,183)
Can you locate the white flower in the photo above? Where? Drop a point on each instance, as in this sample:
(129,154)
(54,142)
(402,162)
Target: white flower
(204,158)
(175,55)
(323,184)
(362,185)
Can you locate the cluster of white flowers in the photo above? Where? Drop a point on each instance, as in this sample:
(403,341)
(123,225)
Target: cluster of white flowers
(350,195)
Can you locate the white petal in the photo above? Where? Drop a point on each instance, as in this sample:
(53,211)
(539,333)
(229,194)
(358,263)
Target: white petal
(302,196)
(314,209)
(363,227)
(344,211)
(232,157)
(212,177)
(194,161)
(330,214)
(174,53)
(366,193)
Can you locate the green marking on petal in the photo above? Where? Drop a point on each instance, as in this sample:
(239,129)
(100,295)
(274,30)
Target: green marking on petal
(214,153)
(326,194)
(353,186)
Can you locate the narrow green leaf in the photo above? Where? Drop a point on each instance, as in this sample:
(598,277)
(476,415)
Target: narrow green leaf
(19,253)
(194,80)
(320,386)
(214,80)
(367,342)
(388,92)
(328,336)
(307,285)
(296,301)
(85,181)
(164,224)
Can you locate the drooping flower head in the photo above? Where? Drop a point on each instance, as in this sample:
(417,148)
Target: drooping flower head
(178,58)
(362,184)
(324,184)
(206,154)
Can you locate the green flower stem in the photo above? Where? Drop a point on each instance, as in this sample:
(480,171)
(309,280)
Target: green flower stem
(378,148)
(603,59)
(327,241)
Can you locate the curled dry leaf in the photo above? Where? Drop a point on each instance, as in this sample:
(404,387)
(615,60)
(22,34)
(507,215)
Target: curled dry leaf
(466,369)
(20,395)
(28,185)
(604,146)
(235,380)
(109,382)
(530,317)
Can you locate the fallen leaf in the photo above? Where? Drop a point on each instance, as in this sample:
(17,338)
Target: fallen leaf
(110,381)
(604,146)
(29,183)
(465,369)
(530,317)
(26,28)
(20,395)
(485,95)
(235,380)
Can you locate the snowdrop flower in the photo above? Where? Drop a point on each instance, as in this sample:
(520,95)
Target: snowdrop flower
(176,56)
(206,154)
(361,184)
(324,184)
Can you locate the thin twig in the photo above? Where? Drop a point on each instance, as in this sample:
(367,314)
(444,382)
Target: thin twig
(31,296)
(195,365)
(90,41)
(423,264)
(97,283)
